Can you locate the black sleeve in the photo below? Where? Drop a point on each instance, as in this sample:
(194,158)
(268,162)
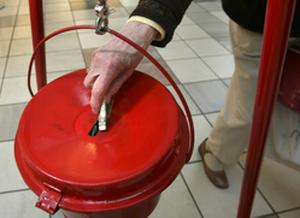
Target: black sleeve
(167,13)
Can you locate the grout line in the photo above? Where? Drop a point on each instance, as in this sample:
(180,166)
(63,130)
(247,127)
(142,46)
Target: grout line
(192,196)
(48,73)
(259,191)
(266,200)
(194,162)
(201,58)
(14,191)
(13,104)
(7,140)
(288,210)
(268,215)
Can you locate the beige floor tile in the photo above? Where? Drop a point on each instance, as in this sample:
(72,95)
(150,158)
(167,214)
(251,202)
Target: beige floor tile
(20,205)
(191,32)
(207,47)
(2,65)
(291,214)
(192,106)
(223,66)
(202,130)
(214,202)
(64,60)
(182,207)
(176,50)
(5,33)
(191,70)
(280,185)
(4,48)
(10,178)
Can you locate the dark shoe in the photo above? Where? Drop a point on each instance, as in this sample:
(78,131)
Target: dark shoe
(218,178)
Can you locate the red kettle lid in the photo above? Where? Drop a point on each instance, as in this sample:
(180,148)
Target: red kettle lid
(55,144)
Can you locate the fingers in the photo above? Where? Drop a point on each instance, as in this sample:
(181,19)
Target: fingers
(90,78)
(117,83)
(99,91)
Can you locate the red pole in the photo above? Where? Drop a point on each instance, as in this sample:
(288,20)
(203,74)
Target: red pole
(276,32)
(37,29)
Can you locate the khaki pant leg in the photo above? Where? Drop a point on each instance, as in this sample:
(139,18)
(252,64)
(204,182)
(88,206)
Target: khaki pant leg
(231,131)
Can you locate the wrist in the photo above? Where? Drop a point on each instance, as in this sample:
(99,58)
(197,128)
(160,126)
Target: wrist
(141,33)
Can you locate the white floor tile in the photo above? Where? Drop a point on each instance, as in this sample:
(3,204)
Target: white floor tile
(202,131)
(192,107)
(23,20)
(223,66)
(176,37)
(57,7)
(280,185)
(212,117)
(20,205)
(9,119)
(91,40)
(51,27)
(17,66)
(4,48)
(11,2)
(2,65)
(55,1)
(60,16)
(24,10)
(209,95)
(90,14)
(191,70)
(215,202)
(61,42)
(127,3)
(22,32)
(176,202)
(56,75)
(207,47)
(186,21)
(5,33)
(194,8)
(176,50)
(211,6)
(221,15)
(117,23)
(64,60)
(8,11)
(191,32)
(292,214)
(21,47)
(14,90)
(10,178)
(84,14)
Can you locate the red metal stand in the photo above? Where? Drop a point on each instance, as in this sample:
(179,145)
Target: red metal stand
(277,28)
(37,29)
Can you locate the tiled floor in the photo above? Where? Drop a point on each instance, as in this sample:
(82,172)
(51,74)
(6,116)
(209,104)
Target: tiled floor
(201,45)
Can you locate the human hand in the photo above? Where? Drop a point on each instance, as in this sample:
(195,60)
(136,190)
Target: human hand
(115,62)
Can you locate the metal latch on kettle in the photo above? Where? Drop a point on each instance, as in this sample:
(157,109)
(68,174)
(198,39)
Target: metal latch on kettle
(102,11)
(49,199)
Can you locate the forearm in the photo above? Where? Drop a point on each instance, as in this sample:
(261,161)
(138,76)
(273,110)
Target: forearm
(140,33)
(166,13)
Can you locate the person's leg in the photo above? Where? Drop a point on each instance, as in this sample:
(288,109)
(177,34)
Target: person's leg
(231,131)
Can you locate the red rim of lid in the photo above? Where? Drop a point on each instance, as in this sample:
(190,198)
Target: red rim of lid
(56,122)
